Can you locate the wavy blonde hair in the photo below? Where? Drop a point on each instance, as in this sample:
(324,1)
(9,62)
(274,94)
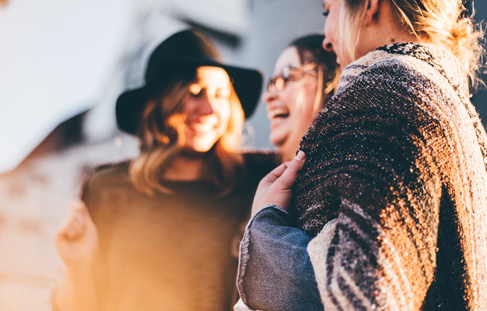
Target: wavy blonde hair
(160,131)
(440,22)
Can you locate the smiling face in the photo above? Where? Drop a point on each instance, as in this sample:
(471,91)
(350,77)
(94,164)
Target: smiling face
(292,109)
(206,109)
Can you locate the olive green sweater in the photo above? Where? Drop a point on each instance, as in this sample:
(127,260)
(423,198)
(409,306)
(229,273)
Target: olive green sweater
(170,251)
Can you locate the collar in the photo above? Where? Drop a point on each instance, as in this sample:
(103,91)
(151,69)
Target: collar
(442,61)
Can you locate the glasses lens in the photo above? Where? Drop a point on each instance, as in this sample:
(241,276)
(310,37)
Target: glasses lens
(279,83)
(270,84)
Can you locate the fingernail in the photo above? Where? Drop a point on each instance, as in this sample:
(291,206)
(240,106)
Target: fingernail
(300,156)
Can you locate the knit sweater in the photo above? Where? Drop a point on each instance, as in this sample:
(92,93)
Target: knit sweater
(169,251)
(394,188)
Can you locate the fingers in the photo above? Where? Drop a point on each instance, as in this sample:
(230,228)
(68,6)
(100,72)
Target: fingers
(276,187)
(275,173)
(75,223)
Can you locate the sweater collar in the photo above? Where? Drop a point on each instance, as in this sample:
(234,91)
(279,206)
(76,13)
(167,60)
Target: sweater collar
(441,60)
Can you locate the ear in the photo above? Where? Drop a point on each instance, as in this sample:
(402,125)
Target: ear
(372,11)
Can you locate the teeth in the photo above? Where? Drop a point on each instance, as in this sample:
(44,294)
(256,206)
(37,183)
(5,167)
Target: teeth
(201,127)
(278,112)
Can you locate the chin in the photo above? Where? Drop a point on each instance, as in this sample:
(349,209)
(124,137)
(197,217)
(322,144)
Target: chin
(190,153)
(198,149)
(277,140)
(201,144)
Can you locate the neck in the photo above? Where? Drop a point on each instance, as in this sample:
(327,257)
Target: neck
(384,23)
(287,152)
(184,169)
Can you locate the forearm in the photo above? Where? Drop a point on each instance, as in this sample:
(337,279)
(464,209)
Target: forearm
(275,271)
(76,291)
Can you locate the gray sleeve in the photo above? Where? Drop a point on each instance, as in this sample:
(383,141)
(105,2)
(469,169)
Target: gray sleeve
(275,272)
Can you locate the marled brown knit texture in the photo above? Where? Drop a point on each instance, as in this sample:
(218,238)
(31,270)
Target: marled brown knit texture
(398,157)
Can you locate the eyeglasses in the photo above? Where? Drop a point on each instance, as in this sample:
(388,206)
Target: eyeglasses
(290,73)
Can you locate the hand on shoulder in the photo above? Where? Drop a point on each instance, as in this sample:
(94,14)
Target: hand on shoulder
(276,187)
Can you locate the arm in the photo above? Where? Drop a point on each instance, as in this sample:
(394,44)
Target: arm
(375,156)
(275,272)
(77,243)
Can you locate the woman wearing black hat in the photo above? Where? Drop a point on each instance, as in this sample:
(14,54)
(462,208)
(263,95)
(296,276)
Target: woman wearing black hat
(162,226)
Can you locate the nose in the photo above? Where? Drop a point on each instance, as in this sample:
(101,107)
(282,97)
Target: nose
(205,105)
(269,95)
(327,45)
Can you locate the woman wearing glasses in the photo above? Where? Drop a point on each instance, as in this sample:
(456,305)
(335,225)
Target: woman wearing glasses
(305,76)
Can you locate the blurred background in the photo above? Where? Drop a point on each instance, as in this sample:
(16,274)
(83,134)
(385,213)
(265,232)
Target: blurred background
(62,66)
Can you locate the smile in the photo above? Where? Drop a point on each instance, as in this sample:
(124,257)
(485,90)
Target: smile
(275,113)
(201,128)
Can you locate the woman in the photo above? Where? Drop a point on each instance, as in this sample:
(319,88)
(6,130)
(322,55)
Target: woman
(305,76)
(164,223)
(390,205)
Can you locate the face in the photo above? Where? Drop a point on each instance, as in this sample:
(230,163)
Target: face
(206,110)
(332,10)
(292,109)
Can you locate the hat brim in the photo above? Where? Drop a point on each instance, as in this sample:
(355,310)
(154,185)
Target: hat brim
(246,82)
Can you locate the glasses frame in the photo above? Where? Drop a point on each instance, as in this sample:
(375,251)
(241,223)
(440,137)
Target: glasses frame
(291,73)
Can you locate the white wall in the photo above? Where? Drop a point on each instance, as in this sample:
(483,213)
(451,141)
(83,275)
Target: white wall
(55,59)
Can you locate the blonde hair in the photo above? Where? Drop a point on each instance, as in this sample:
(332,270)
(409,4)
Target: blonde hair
(440,22)
(160,131)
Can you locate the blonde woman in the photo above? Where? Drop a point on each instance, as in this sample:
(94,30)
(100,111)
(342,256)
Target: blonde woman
(390,206)
(162,226)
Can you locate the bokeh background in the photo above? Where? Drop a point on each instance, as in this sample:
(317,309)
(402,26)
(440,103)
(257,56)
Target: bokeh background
(62,66)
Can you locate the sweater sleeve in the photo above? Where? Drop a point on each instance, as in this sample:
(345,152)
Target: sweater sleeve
(372,160)
(275,272)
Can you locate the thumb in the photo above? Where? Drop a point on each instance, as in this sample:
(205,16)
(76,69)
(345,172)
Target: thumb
(292,171)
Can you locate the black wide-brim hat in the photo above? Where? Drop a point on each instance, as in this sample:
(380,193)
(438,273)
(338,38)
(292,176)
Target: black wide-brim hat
(185,48)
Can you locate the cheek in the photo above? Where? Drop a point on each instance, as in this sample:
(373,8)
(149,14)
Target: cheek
(329,29)
(224,113)
(188,105)
(306,108)
(290,96)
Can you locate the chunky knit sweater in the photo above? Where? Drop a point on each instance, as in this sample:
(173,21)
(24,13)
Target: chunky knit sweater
(394,187)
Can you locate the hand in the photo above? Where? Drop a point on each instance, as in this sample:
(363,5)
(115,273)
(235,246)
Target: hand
(276,187)
(77,240)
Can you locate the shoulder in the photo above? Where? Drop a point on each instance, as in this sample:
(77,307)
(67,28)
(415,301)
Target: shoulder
(110,174)
(106,179)
(396,84)
(410,68)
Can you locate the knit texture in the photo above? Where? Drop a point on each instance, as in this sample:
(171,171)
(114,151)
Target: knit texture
(398,158)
